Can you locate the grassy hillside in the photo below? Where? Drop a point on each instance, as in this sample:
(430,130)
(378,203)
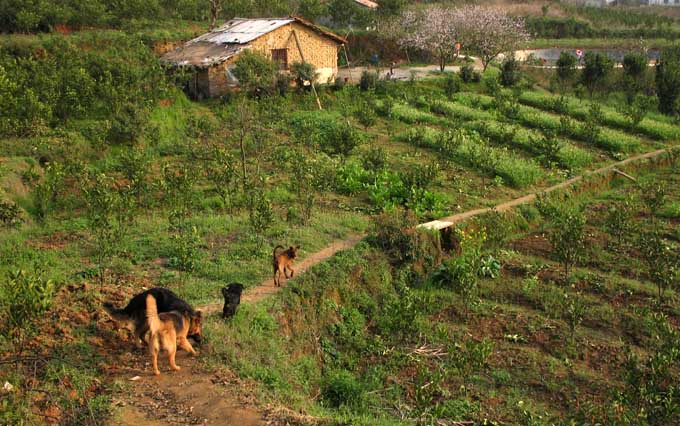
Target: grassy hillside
(365,339)
(112,181)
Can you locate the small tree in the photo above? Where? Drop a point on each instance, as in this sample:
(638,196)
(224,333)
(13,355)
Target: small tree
(365,114)
(596,70)
(653,196)
(215,9)
(108,213)
(566,68)
(634,74)
(261,214)
(451,84)
(638,109)
(661,259)
(256,72)
(341,140)
(25,296)
(304,74)
(618,221)
(510,72)
(567,237)
(668,81)
(223,175)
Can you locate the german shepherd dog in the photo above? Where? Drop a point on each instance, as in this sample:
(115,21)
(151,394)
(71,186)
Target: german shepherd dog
(166,301)
(283,262)
(232,298)
(165,331)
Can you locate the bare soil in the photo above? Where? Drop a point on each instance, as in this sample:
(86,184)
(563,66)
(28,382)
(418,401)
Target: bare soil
(194,396)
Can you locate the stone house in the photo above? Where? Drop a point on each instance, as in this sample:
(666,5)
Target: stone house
(210,57)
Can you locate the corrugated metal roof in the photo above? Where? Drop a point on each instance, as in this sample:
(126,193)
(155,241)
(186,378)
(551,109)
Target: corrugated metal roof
(201,54)
(228,40)
(241,31)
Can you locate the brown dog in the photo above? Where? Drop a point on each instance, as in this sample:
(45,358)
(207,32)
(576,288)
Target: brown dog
(283,262)
(165,331)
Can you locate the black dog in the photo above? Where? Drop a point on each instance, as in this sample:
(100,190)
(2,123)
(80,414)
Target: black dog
(166,301)
(232,298)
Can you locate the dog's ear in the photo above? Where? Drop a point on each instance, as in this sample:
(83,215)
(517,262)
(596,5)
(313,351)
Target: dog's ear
(225,291)
(199,313)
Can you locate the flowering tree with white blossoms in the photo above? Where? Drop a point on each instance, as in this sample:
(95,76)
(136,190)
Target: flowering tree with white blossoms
(433,29)
(488,32)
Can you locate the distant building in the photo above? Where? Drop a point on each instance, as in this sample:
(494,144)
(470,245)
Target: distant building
(212,55)
(663,2)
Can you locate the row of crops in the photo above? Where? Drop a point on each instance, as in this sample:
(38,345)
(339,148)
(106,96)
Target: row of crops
(515,136)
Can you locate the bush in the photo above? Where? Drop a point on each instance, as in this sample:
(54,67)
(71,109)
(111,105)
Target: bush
(394,232)
(127,124)
(668,81)
(341,140)
(566,67)
(256,72)
(304,74)
(375,159)
(340,388)
(25,296)
(368,81)
(596,70)
(634,72)
(451,84)
(10,214)
(510,72)
(469,75)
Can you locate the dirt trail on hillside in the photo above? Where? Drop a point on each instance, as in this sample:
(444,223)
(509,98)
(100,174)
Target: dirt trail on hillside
(266,288)
(193,396)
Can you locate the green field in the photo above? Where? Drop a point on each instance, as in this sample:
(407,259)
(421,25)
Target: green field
(113,181)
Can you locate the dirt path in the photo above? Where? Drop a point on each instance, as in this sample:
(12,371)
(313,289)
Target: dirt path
(266,288)
(193,395)
(451,220)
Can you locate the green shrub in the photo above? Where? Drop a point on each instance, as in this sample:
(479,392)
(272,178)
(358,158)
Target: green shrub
(596,70)
(304,74)
(394,232)
(340,388)
(451,84)
(510,72)
(256,72)
(25,296)
(10,214)
(668,81)
(368,80)
(566,67)
(469,75)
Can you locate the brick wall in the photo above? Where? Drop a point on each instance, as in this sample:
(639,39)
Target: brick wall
(318,50)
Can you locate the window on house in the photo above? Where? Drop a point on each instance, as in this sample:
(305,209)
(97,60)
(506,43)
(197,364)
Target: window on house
(280,56)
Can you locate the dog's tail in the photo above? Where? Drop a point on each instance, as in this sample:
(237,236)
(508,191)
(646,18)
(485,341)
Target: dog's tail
(117,314)
(152,315)
(276,248)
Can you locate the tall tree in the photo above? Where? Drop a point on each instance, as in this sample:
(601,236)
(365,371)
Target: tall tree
(433,29)
(488,32)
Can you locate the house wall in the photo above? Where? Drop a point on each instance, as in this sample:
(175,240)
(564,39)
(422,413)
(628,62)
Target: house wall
(318,50)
